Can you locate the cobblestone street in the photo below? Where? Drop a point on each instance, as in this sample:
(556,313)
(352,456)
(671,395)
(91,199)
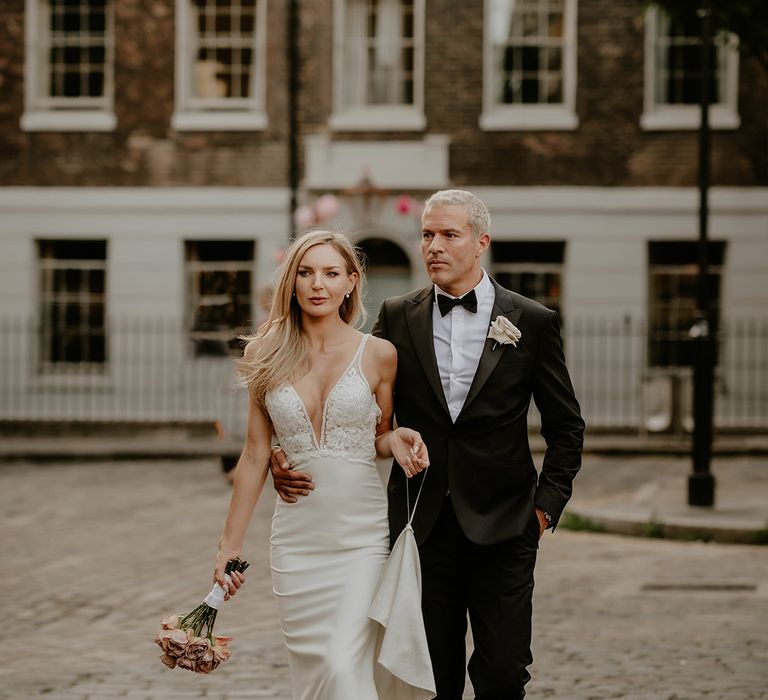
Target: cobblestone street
(94,555)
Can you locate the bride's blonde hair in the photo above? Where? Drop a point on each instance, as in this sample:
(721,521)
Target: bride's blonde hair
(277,352)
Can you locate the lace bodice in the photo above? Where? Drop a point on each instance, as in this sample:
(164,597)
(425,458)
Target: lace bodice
(348,426)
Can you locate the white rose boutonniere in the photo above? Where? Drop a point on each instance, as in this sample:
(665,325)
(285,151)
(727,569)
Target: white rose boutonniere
(504,332)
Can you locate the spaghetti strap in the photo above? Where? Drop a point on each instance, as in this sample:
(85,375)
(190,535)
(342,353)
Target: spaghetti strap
(357,359)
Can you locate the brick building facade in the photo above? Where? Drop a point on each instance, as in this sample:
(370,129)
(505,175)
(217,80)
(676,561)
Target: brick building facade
(609,147)
(159,128)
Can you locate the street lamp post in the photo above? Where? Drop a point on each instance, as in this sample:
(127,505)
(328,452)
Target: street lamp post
(701,482)
(292,33)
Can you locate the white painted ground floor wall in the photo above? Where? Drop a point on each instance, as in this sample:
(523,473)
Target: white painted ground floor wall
(150,374)
(604,275)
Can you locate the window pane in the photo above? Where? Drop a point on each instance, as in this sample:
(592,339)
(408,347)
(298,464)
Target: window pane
(98,20)
(408,28)
(554,59)
(554,89)
(96,55)
(72,316)
(408,91)
(72,55)
(71,21)
(95,84)
(555,21)
(552,285)
(529,23)
(96,315)
(72,281)
(97,348)
(71,349)
(223,23)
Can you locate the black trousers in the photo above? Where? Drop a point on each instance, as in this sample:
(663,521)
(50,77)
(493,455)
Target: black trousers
(494,583)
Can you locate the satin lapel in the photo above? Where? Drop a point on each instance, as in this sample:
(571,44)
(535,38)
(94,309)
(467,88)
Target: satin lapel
(503,305)
(418,314)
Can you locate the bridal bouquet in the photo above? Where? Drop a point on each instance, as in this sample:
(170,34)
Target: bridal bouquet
(188,641)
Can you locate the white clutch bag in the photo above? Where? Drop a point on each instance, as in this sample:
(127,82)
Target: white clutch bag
(396,607)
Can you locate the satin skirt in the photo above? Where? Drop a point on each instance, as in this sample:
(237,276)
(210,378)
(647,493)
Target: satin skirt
(327,552)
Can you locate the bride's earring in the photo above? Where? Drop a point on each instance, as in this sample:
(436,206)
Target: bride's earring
(348,293)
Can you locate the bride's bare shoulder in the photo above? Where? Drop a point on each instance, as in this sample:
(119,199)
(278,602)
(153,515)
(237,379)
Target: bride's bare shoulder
(382,351)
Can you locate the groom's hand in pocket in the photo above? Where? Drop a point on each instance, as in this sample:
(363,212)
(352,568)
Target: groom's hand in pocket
(543,522)
(288,483)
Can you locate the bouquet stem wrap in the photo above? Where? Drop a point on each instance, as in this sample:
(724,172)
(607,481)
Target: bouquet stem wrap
(216,597)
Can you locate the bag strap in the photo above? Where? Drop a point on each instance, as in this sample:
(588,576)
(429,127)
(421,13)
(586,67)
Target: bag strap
(408,497)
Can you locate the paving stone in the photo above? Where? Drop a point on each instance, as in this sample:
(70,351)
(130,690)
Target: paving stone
(95,554)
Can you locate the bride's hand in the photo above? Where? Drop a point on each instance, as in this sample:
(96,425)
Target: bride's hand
(237,578)
(409,450)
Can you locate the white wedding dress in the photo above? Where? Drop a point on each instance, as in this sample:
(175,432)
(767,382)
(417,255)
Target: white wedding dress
(328,549)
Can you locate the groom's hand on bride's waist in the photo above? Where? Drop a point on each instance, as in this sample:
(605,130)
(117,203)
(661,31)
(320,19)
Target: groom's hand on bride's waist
(288,483)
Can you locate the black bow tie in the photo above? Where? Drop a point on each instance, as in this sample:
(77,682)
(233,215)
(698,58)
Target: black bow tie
(468,301)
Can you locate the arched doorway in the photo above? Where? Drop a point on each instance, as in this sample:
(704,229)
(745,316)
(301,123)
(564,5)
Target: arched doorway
(388,273)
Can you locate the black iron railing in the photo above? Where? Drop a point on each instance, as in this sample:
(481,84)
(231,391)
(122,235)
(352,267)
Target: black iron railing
(155,372)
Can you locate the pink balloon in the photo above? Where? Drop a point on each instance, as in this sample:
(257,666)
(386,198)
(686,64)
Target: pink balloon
(326,206)
(403,204)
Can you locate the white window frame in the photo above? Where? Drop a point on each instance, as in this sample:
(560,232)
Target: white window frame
(238,115)
(47,293)
(378,117)
(678,271)
(666,117)
(531,117)
(194,267)
(43,113)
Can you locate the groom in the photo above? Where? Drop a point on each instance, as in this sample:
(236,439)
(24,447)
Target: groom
(483,507)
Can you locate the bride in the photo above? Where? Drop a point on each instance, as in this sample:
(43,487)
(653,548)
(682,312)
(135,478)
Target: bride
(326,391)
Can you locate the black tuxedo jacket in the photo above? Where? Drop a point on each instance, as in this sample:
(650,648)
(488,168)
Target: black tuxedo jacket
(484,459)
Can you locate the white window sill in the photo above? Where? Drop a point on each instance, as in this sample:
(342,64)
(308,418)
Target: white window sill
(688,118)
(68,120)
(219,121)
(529,118)
(53,376)
(379,119)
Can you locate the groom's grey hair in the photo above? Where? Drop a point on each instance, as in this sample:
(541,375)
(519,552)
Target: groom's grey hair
(479,217)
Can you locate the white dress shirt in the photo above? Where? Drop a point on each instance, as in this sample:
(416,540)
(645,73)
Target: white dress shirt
(459,337)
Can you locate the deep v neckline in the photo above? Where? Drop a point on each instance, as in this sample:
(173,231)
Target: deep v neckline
(319,441)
